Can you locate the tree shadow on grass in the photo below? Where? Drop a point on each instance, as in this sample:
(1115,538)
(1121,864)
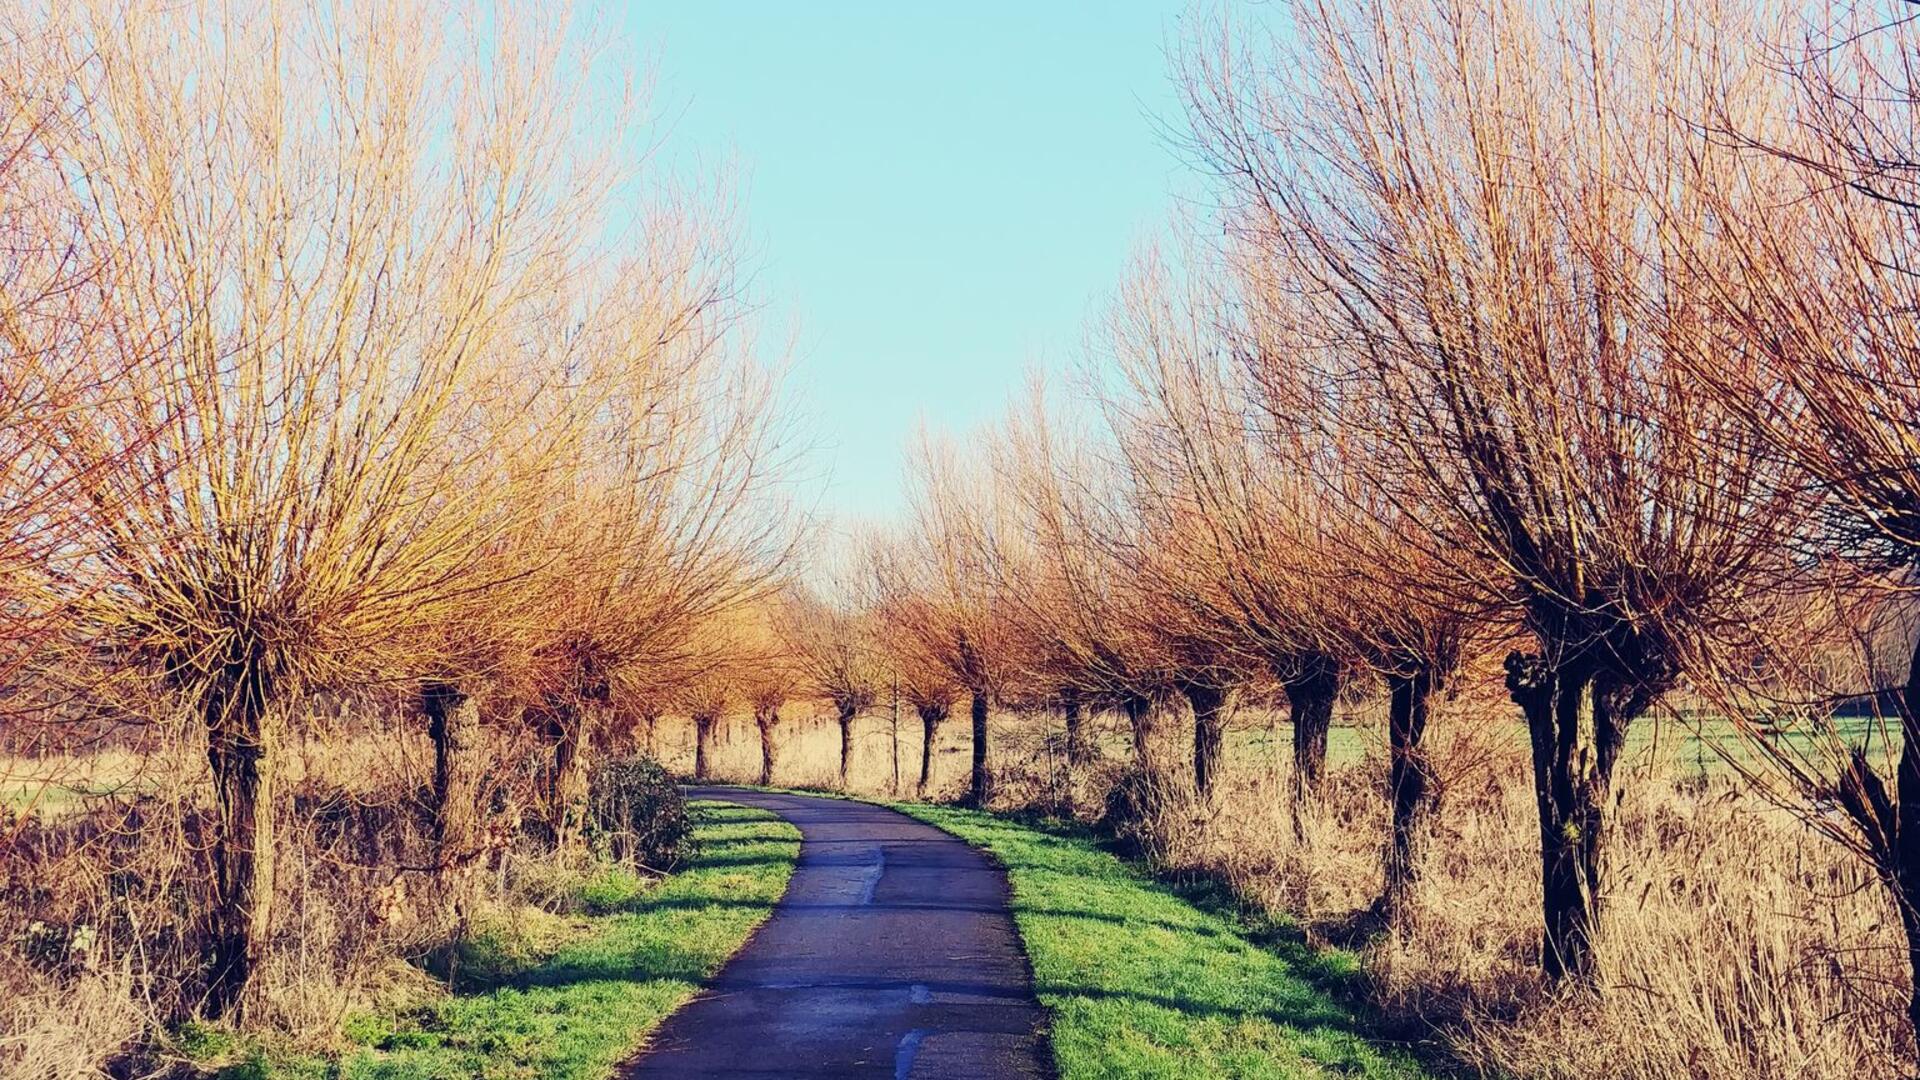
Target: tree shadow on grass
(1335,995)
(651,961)
(706,861)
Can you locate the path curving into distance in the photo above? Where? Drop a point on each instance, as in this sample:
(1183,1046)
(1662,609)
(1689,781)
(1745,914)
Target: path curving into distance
(892,954)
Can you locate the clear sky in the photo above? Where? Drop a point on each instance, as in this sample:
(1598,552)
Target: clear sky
(936,194)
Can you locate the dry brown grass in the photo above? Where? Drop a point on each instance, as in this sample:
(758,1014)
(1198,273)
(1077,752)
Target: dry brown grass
(103,893)
(808,751)
(1737,944)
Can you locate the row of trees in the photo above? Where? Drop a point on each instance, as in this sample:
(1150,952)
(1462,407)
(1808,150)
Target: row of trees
(1578,332)
(348,351)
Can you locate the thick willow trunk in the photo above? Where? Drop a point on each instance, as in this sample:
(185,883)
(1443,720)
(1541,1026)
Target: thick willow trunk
(1890,825)
(1908,887)
(568,733)
(1209,734)
(977,790)
(702,736)
(931,716)
(649,734)
(1075,716)
(453,725)
(1906,847)
(766,721)
(845,719)
(1310,696)
(1576,720)
(240,740)
(1409,782)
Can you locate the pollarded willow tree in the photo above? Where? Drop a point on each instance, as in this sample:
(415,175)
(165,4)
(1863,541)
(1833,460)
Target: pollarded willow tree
(769,671)
(1479,205)
(1066,563)
(1816,348)
(1234,539)
(1389,600)
(838,655)
(1276,536)
(903,610)
(705,697)
(958,622)
(671,529)
(344,253)
(332,298)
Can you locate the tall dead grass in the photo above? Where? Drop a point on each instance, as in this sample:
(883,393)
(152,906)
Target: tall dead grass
(1738,943)
(104,892)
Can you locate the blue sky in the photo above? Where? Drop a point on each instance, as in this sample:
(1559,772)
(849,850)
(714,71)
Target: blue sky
(936,195)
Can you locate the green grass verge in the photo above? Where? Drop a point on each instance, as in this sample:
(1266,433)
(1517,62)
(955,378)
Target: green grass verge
(1142,982)
(577,1007)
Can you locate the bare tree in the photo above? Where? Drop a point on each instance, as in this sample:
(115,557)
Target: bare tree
(903,609)
(1066,564)
(1264,496)
(329,303)
(1813,347)
(957,622)
(347,305)
(1468,197)
(838,656)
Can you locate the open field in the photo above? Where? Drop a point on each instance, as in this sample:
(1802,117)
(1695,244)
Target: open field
(1258,741)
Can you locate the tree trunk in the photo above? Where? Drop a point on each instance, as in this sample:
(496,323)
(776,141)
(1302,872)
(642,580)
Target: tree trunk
(1410,783)
(1573,786)
(1139,724)
(766,721)
(1310,695)
(1209,734)
(1890,825)
(977,791)
(846,744)
(702,734)
(1908,888)
(453,724)
(930,718)
(240,751)
(1076,726)
(567,730)
(1907,841)
(894,726)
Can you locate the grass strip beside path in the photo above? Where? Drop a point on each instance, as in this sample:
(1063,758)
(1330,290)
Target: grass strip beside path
(1142,983)
(585,1007)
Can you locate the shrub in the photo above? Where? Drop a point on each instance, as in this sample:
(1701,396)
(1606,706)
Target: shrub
(1131,806)
(636,815)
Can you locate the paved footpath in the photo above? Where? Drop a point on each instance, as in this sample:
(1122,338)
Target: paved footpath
(893,954)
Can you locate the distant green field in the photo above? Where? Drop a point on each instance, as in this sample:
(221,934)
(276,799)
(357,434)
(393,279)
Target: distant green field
(55,786)
(1682,742)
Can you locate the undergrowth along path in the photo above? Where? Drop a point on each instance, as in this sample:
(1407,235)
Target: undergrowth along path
(574,1008)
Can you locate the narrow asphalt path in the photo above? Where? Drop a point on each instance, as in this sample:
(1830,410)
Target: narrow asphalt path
(893,954)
